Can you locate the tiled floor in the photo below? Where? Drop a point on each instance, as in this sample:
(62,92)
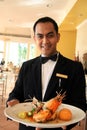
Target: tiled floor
(4,123)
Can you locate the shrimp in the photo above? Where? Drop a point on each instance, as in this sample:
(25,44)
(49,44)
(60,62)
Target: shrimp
(48,110)
(53,103)
(42,116)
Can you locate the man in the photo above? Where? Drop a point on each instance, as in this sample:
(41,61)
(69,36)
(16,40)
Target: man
(41,78)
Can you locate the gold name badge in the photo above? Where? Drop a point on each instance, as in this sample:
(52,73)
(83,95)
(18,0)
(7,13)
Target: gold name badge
(62,75)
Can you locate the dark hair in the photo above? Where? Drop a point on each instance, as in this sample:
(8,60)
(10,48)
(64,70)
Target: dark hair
(44,20)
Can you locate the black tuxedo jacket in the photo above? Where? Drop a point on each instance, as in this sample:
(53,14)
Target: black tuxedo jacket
(29,84)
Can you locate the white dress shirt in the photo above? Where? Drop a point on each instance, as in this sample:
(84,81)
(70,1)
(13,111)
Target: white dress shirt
(47,70)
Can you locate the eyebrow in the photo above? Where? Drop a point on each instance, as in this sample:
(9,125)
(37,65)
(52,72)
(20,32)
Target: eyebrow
(46,34)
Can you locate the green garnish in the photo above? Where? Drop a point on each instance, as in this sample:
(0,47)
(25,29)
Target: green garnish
(30,113)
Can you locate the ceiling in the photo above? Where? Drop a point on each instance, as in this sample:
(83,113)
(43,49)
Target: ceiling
(18,16)
(76,17)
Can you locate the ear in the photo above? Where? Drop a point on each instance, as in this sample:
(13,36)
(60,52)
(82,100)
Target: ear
(58,36)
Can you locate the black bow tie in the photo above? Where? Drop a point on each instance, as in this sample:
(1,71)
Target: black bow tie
(45,59)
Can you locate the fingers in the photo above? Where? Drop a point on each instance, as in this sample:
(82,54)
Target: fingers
(12,102)
(64,127)
(37,128)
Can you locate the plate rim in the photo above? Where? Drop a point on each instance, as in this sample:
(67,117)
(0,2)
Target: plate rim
(43,125)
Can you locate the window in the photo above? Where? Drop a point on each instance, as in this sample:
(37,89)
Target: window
(1,49)
(17,52)
(32,52)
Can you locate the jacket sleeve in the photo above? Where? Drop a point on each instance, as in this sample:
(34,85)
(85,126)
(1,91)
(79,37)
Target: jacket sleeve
(17,92)
(79,97)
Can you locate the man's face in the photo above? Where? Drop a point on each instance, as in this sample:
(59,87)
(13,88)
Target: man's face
(46,38)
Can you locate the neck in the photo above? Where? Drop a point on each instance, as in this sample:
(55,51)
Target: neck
(49,54)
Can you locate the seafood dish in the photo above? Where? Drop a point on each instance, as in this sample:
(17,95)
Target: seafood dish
(44,111)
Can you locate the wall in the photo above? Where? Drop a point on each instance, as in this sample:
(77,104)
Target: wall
(81,41)
(67,43)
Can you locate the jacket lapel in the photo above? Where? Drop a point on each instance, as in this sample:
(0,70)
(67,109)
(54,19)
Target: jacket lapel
(37,79)
(54,79)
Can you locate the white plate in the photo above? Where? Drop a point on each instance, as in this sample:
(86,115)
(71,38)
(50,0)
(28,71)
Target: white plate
(12,112)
